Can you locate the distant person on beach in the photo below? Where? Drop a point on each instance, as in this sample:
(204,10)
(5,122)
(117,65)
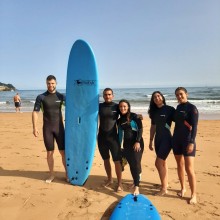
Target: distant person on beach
(130,131)
(17,102)
(161,116)
(50,102)
(108,137)
(184,145)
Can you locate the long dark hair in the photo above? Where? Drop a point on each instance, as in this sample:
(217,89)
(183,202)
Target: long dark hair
(129,108)
(180,88)
(153,107)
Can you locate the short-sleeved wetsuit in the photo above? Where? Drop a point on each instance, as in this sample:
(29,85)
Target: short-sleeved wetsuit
(131,132)
(186,120)
(53,128)
(108,135)
(163,118)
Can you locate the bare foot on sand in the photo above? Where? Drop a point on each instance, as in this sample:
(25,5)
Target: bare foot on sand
(162,192)
(181,193)
(119,188)
(67,179)
(107,183)
(50,179)
(193,200)
(136,191)
(131,186)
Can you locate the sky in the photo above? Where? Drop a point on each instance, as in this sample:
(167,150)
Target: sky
(137,43)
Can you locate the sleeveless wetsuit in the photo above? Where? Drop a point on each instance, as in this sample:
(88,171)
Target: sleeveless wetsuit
(131,132)
(186,120)
(107,136)
(53,128)
(163,118)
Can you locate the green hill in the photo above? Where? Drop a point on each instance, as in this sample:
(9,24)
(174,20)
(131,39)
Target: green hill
(6,87)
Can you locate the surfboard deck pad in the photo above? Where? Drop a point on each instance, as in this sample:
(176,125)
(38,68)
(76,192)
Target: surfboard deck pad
(135,208)
(81,112)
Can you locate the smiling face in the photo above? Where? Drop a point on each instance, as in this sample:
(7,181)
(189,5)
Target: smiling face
(181,96)
(123,106)
(158,99)
(51,86)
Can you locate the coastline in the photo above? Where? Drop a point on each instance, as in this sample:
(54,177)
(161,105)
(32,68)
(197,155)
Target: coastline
(202,116)
(25,195)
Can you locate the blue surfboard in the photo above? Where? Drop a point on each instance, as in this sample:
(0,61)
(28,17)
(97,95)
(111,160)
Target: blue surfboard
(135,208)
(81,112)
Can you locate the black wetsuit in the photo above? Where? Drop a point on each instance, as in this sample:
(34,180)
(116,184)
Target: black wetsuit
(186,120)
(131,132)
(53,128)
(163,118)
(107,137)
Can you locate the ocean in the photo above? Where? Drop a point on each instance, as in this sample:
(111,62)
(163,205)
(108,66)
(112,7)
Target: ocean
(206,99)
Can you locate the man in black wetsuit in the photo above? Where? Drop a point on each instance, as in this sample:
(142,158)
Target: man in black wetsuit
(108,138)
(50,102)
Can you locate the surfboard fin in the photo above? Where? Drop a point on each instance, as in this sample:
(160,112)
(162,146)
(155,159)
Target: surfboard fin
(135,199)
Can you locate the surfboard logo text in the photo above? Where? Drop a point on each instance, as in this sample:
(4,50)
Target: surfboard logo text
(80,82)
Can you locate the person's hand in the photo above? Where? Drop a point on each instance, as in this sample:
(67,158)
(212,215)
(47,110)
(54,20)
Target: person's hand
(137,147)
(140,116)
(35,132)
(151,146)
(190,148)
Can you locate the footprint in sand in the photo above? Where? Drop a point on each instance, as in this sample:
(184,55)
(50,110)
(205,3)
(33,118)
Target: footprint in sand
(80,202)
(84,203)
(213,174)
(8,194)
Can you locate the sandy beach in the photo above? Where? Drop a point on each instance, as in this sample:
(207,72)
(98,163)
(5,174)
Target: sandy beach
(25,195)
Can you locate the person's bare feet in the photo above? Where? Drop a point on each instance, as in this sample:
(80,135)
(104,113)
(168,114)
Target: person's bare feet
(181,193)
(50,179)
(119,188)
(162,192)
(136,191)
(107,183)
(193,200)
(131,186)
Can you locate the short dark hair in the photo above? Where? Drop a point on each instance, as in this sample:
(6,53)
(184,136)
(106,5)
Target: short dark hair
(107,89)
(50,77)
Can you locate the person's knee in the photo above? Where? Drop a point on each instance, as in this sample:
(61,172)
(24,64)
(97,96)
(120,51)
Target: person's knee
(107,162)
(157,164)
(160,163)
(50,154)
(180,162)
(189,170)
(117,164)
(62,152)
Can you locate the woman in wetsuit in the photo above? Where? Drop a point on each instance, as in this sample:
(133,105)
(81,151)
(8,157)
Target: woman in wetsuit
(130,129)
(184,145)
(161,116)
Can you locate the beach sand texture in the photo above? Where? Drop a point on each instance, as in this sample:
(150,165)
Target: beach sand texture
(25,195)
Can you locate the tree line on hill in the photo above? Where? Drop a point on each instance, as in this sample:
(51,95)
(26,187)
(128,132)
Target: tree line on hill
(6,87)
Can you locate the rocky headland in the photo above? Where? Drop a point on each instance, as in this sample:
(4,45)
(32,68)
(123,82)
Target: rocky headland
(6,87)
